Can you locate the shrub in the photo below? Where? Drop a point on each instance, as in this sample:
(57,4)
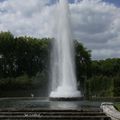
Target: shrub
(40,79)
(100,86)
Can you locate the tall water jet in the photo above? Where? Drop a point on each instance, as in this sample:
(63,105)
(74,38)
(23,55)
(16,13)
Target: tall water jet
(64,83)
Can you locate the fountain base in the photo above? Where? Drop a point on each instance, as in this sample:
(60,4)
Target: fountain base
(66,98)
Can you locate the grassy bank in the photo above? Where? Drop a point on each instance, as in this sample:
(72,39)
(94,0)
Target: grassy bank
(117,106)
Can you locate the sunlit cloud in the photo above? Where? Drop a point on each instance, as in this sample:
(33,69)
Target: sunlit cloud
(94,23)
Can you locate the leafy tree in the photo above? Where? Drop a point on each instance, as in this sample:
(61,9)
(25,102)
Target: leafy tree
(100,86)
(7,49)
(21,56)
(117,86)
(108,67)
(106,72)
(83,63)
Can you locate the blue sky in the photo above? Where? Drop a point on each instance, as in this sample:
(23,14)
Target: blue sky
(95,24)
(1,0)
(115,2)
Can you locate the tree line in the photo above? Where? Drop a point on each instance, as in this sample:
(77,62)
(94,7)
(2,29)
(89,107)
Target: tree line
(25,64)
(105,78)
(21,59)
(25,61)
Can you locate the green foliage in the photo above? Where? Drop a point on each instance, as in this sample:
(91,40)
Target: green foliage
(21,58)
(21,82)
(108,67)
(117,86)
(24,61)
(105,80)
(41,79)
(117,106)
(83,64)
(7,48)
(24,64)
(22,55)
(100,86)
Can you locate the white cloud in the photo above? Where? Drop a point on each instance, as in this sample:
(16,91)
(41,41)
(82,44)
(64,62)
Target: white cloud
(94,22)
(97,25)
(31,18)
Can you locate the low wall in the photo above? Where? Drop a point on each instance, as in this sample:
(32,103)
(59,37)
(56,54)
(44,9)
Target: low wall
(110,111)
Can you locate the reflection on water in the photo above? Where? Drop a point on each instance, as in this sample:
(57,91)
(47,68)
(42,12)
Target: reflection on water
(64,105)
(45,103)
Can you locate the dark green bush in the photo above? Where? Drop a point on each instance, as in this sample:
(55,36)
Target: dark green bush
(100,86)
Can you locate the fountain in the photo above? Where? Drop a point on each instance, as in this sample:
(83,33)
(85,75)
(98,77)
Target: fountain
(64,84)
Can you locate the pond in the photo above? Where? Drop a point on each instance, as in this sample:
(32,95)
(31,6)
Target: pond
(45,103)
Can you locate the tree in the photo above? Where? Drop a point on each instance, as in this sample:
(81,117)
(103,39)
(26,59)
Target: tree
(83,63)
(7,49)
(23,55)
(28,56)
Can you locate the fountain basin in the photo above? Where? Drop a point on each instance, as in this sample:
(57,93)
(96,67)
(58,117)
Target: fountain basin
(66,98)
(47,103)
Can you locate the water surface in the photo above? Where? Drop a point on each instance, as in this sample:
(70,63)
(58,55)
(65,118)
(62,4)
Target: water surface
(45,103)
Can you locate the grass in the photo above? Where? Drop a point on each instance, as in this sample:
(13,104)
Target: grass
(117,106)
